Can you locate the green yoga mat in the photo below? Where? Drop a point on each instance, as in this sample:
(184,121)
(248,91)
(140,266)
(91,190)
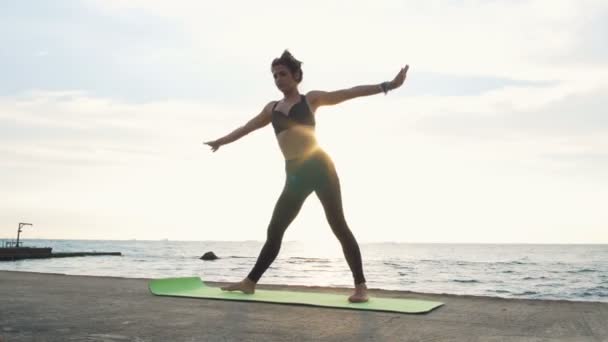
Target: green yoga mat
(193,287)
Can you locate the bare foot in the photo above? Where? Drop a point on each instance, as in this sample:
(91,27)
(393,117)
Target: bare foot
(360,294)
(246,286)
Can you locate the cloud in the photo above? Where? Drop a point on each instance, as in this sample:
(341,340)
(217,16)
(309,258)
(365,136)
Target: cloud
(561,129)
(451,85)
(141,51)
(130,56)
(586,46)
(481,38)
(73,127)
(558,111)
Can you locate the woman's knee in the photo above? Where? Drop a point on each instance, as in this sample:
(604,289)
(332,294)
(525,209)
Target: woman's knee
(274,235)
(341,230)
(336,220)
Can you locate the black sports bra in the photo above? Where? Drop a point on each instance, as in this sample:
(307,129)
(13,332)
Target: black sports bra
(299,114)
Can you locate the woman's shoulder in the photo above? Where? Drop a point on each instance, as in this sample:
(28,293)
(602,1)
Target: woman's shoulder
(311,98)
(269,107)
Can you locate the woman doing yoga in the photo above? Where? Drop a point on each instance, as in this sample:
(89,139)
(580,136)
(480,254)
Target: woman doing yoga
(307,167)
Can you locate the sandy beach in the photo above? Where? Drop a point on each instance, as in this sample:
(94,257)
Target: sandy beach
(53,307)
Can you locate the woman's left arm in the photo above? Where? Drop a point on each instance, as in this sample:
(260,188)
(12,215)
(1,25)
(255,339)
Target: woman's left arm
(320,98)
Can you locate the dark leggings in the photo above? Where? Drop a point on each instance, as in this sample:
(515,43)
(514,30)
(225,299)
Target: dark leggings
(303,176)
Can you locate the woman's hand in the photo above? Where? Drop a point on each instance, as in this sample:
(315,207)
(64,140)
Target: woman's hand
(400,78)
(215,145)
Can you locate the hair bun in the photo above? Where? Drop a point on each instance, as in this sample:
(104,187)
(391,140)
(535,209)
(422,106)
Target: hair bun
(287,55)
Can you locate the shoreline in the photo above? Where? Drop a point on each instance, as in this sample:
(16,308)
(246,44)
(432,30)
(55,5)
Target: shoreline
(334,289)
(59,307)
(384,292)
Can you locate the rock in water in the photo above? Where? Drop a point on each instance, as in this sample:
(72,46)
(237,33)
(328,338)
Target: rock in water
(209,256)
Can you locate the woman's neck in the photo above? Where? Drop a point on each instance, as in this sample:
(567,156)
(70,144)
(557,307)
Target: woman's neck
(291,95)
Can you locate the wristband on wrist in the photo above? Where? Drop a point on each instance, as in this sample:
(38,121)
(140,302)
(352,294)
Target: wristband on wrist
(384,87)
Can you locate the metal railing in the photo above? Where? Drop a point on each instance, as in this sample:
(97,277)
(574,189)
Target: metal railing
(11,244)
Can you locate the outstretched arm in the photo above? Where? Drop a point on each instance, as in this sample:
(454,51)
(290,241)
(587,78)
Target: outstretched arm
(257,122)
(319,98)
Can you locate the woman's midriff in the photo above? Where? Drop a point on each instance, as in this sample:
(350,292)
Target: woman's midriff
(297,142)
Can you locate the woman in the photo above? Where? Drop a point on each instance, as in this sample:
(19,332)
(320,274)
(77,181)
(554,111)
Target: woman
(308,168)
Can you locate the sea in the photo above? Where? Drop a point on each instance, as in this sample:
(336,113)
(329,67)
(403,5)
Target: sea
(531,271)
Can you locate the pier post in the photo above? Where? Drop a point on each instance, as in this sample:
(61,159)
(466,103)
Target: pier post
(21,224)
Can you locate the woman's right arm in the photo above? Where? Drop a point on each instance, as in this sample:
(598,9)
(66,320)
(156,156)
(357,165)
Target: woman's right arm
(256,122)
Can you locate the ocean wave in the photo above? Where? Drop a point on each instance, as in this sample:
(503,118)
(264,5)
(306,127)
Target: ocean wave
(584,270)
(239,257)
(466,281)
(554,285)
(499,291)
(514,262)
(301,260)
(591,293)
(391,264)
(534,278)
(397,266)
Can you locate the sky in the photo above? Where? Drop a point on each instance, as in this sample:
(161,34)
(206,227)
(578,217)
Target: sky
(499,134)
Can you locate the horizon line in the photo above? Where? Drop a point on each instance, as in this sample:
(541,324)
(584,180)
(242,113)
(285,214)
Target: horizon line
(313,241)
